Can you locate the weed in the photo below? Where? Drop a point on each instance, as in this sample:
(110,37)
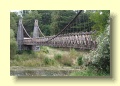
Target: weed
(79,60)
(48,61)
(45,49)
(73,53)
(88,72)
(66,60)
(57,57)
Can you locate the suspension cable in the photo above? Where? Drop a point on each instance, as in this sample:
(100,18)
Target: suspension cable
(41,32)
(66,26)
(26,31)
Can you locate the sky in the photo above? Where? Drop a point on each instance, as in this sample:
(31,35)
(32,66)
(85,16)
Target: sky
(18,12)
(15,10)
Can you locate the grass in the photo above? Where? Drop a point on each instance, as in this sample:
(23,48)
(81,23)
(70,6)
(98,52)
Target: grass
(52,57)
(89,72)
(47,56)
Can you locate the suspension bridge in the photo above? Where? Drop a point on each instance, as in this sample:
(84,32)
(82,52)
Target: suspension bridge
(75,39)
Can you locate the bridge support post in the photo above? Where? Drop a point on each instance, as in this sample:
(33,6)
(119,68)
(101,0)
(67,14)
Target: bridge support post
(36,35)
(20,35)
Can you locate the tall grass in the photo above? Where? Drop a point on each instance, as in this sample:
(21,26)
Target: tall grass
(46,57)
(27,58)
(89,72)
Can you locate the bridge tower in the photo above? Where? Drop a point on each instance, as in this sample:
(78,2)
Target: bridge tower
(20,35)
(36,35)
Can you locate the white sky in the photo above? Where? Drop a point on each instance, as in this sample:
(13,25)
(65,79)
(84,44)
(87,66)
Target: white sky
(15,10)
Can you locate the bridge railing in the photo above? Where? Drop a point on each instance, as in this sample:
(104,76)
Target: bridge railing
(76,40)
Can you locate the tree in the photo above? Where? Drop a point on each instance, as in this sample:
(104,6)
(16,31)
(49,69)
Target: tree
(13,44)
(13,22)
(13,33)
(28,21)
(99,59)
(83,22)
(60,19)
(100,18)
(45,21)
(25,12)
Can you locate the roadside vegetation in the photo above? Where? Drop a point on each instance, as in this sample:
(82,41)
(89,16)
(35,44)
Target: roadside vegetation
(91,63)
(48,56)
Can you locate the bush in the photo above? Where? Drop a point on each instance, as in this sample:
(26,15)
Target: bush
(44,49)
(57,57)
(73,53)
(100,58)
(24,52)
(48,61)
(79,60)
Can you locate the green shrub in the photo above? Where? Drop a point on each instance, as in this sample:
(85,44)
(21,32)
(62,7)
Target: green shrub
(63,59)
(57,57)
(48,61)
(44,49)
(67,63)
(25,52)
(100,58)
(73,53)
(79,60)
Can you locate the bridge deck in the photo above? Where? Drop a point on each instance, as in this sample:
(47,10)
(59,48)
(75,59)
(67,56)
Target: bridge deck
(83,41)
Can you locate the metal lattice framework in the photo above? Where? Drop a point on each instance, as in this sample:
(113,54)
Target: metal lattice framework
(81,40)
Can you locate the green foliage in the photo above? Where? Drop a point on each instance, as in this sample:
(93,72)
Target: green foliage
(46,30)
(73,53)
(25,12)
(44,18)
(88,72)
(79,60)
(64,60)
(67,63)
(44,49)
(100,19)
(29,18)
(13,48)
(53,21)
(13,32)
(25,52)
(13,44)
(28,59)
(59,19)
(48,61)
(100,58)
(57,57)
(13,22)
(67,59)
